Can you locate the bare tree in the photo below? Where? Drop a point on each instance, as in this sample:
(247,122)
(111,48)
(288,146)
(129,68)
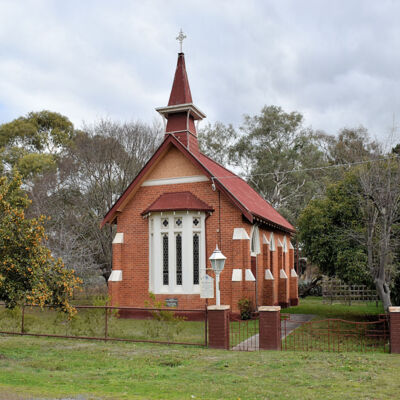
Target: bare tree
(103,160)
(380,206)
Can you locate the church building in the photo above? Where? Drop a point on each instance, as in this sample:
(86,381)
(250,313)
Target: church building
(178,208)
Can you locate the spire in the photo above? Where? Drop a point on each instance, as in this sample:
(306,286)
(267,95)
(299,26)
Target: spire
(180,92)
(180,114)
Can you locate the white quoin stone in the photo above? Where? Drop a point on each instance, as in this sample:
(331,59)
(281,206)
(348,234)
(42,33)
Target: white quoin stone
(116,276)
(272,242)
(265,240)
(237,275)
(119,238)
(249,275)
(282,274)
(293,273)
(280,244)
(240,234)
(285,248)
(268,275)
(290,245)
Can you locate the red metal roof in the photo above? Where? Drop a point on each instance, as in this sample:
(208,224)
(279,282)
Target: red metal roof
(244,193)
(235,188)
(180,92)
(178,201)
(244,196)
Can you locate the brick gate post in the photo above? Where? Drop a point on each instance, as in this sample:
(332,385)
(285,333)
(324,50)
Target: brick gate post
(218,327)
(394,315)
(270,328)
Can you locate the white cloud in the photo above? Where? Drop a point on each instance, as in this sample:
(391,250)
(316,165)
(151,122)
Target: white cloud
(336,62)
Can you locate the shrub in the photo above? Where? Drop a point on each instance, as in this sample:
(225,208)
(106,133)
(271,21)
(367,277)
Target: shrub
(245,307)
(164,322)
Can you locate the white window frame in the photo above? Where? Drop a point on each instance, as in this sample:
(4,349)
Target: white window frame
(187,230)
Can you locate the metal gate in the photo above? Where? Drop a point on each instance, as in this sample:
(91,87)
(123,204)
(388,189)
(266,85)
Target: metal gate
(336,335)
(244,334)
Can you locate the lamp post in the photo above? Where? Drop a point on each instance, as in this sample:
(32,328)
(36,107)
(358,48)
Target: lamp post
(217,263)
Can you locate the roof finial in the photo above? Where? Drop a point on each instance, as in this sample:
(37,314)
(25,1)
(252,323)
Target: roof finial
(180,38)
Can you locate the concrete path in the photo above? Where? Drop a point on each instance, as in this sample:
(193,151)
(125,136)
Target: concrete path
(294,322)
(252,343)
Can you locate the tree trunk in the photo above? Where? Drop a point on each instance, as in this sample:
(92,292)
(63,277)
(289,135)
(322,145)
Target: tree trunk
(384,293)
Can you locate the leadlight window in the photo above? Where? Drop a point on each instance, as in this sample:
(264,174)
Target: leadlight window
(176,258)
(178,242)
(178,222)
(165,259)
(196,259)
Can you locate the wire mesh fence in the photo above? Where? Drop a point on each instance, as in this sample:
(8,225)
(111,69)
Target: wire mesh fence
(336,335)
(244,334)
(154,325)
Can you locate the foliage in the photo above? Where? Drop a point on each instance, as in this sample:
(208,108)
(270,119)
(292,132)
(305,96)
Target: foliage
(217,141)
(31,144)
(165,322)
(273,145)
(245,307)
(28,272)
(324,231)
(92,173)
(353,232)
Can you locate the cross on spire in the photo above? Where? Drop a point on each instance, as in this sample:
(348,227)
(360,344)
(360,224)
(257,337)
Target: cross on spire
(180,38)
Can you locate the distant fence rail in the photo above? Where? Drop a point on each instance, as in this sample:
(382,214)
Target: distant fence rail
(337,291)
(126,324)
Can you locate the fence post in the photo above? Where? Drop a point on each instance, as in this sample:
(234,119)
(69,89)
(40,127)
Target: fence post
(218,327)
(106,322)
(23,319)
(270,327)
(394,324)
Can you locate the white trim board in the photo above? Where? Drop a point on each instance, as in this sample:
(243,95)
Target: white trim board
(175,181)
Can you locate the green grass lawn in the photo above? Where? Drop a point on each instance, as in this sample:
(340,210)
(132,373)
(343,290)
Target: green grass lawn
(91,322)
(322,335)
(47,368)
(356,312)
(53,368)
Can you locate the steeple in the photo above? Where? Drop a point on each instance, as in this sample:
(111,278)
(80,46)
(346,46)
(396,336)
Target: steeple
(180,92)
(181,113)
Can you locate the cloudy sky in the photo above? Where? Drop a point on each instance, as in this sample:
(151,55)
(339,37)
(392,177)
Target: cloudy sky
(336,62)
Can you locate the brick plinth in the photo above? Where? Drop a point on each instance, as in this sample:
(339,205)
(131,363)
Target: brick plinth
(270,328)
(394,313)
(218,327)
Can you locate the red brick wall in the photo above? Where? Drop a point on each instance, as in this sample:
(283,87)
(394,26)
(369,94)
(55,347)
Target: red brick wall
(395,331)
(132,257)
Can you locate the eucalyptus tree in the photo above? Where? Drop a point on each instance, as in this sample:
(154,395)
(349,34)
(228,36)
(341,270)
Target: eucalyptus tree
(278,156)
(32,144)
